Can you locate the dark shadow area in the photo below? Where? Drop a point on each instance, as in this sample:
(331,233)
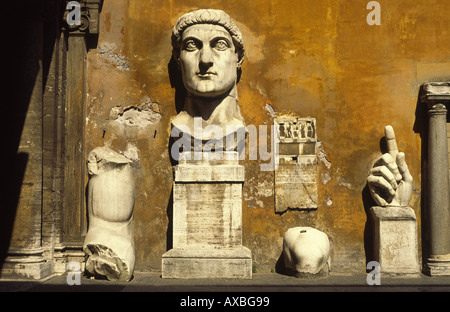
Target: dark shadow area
(369,227)
(383,146)
(421,127)
(76,288)
(14,169)
(280,266)
(368,202)
(91,42)
(86,202)
(289,209)
(175,155)
(169,210)
(176,82)
(169,234)
(100,278)
(24,48)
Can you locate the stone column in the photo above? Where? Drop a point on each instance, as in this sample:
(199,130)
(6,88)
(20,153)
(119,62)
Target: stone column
(438,206)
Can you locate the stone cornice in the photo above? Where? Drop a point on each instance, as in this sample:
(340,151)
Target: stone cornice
(435,92)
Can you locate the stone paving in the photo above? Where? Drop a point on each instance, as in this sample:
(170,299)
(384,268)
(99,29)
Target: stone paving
(261,282)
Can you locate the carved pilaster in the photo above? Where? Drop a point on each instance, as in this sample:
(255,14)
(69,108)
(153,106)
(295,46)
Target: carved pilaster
(74,223)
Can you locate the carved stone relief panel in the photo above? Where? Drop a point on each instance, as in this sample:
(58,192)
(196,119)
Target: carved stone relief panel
(296,173)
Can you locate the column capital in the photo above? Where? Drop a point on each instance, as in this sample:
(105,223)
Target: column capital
(89,18)
(435,94)
(437,109)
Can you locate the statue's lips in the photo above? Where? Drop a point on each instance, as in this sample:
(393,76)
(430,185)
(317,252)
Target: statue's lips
(206,75)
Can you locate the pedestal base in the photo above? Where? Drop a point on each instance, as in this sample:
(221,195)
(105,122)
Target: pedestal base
(207,219)
(26,263)
(396,247)
(26,270)
(438,266)
(207,263)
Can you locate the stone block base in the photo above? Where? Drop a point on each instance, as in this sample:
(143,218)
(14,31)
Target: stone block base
(22,270)
(26,263)
(207,263)
(396,247)
(438,266)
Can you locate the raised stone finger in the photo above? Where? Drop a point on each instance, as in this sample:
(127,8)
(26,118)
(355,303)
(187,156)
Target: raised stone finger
(391,142)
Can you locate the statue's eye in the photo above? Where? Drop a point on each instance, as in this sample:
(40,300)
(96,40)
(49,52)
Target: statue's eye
(221,45)
(190,45)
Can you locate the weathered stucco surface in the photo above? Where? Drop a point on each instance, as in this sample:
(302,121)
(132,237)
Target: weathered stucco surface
(315,59)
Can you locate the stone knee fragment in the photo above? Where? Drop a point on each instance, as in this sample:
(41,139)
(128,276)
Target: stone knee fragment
(109,243)
(306,251)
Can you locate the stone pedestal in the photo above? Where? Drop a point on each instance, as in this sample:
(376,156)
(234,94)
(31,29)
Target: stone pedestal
(207,219)
(208,263)
(396,247)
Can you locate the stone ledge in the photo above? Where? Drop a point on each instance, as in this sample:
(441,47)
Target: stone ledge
(393,213)
(233,252)
(208,173)
(435,91)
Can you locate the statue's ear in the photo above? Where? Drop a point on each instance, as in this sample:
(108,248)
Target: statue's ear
(176,59)
(240,59)
(239,68)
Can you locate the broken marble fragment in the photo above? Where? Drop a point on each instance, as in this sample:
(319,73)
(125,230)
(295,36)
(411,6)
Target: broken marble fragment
(109,243)
(306,252)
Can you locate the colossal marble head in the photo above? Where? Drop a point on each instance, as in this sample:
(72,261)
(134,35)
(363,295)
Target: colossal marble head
(209,50)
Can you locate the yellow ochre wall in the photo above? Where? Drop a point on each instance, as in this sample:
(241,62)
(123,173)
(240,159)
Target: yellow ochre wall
(303,58)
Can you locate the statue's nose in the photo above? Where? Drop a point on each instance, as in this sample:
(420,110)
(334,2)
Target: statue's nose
(206,58)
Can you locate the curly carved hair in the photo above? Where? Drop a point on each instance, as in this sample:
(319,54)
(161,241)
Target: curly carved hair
(207,16)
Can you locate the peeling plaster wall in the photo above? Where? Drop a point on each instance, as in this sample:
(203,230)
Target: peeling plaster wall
(305,59)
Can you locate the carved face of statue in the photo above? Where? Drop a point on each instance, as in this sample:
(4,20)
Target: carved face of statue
(208,60)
